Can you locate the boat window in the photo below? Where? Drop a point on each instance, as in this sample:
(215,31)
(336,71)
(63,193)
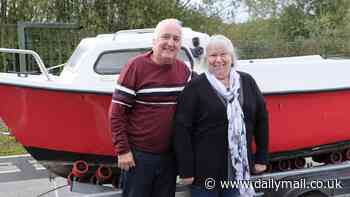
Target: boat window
(111,62)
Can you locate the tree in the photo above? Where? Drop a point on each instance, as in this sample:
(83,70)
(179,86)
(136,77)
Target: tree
(292,23)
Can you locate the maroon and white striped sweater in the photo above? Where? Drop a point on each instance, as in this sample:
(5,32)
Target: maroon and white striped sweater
(143,104)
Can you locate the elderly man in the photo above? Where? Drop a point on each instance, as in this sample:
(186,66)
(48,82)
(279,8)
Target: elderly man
(142,111)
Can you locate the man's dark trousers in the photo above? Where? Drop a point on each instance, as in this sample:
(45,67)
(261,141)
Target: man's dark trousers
(153,176)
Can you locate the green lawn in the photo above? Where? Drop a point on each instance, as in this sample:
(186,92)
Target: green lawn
(8,144)
(2,127)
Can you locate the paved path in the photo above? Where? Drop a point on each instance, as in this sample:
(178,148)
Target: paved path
(22,176)
(23,167)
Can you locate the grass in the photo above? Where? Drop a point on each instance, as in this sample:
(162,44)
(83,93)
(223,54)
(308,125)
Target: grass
(3,128)
(8,144)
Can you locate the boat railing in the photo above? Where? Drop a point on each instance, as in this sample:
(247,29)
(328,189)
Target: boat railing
(36,56)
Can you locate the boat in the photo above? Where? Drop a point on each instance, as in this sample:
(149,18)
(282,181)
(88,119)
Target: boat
(307,99)
(62,119)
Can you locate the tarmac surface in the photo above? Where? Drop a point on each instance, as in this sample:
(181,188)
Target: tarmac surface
(23,176)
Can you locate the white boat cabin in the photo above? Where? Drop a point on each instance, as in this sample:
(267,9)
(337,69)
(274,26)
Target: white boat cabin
(96,62)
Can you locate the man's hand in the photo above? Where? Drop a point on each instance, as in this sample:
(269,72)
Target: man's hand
(126,161)
(186,181)
(259,168)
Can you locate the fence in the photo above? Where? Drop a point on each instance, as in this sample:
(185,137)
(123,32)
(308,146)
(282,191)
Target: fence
(53,42)
(56,42)
(8,39)
(265,49)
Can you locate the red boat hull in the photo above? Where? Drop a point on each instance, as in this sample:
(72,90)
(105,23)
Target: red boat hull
(306,120)
(58,120)
(77,122)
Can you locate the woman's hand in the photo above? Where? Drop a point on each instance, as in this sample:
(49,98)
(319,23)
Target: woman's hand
(259,168)
(186,181)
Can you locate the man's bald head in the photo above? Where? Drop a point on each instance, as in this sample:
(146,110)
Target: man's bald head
(166,22)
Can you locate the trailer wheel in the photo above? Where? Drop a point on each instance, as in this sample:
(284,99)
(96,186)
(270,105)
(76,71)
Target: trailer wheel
(298,163)
(347,154)
(283,165)
(335,157)
(313,194)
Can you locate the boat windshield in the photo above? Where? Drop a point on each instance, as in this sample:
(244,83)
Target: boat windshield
(111,62)
(77,55)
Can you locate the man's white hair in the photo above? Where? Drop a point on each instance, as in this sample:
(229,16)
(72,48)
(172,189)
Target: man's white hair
(221,39)
(164,22)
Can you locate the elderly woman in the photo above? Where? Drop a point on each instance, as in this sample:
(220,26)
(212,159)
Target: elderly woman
(216,118)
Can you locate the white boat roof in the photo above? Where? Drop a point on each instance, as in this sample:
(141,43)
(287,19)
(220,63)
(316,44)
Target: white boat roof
(142,38)
(298,74)
(273,75)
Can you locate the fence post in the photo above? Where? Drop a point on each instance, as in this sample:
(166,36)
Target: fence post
(22,45)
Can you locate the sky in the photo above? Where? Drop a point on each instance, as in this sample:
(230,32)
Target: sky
(241,13)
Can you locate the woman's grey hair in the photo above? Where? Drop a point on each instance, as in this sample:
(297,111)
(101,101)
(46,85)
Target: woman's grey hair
(163,22)
(221,39)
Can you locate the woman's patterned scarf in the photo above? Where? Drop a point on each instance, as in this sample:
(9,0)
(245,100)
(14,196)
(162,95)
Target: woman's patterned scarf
(236,130)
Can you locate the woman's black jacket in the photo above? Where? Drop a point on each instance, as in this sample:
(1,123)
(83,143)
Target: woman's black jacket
(200,137)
